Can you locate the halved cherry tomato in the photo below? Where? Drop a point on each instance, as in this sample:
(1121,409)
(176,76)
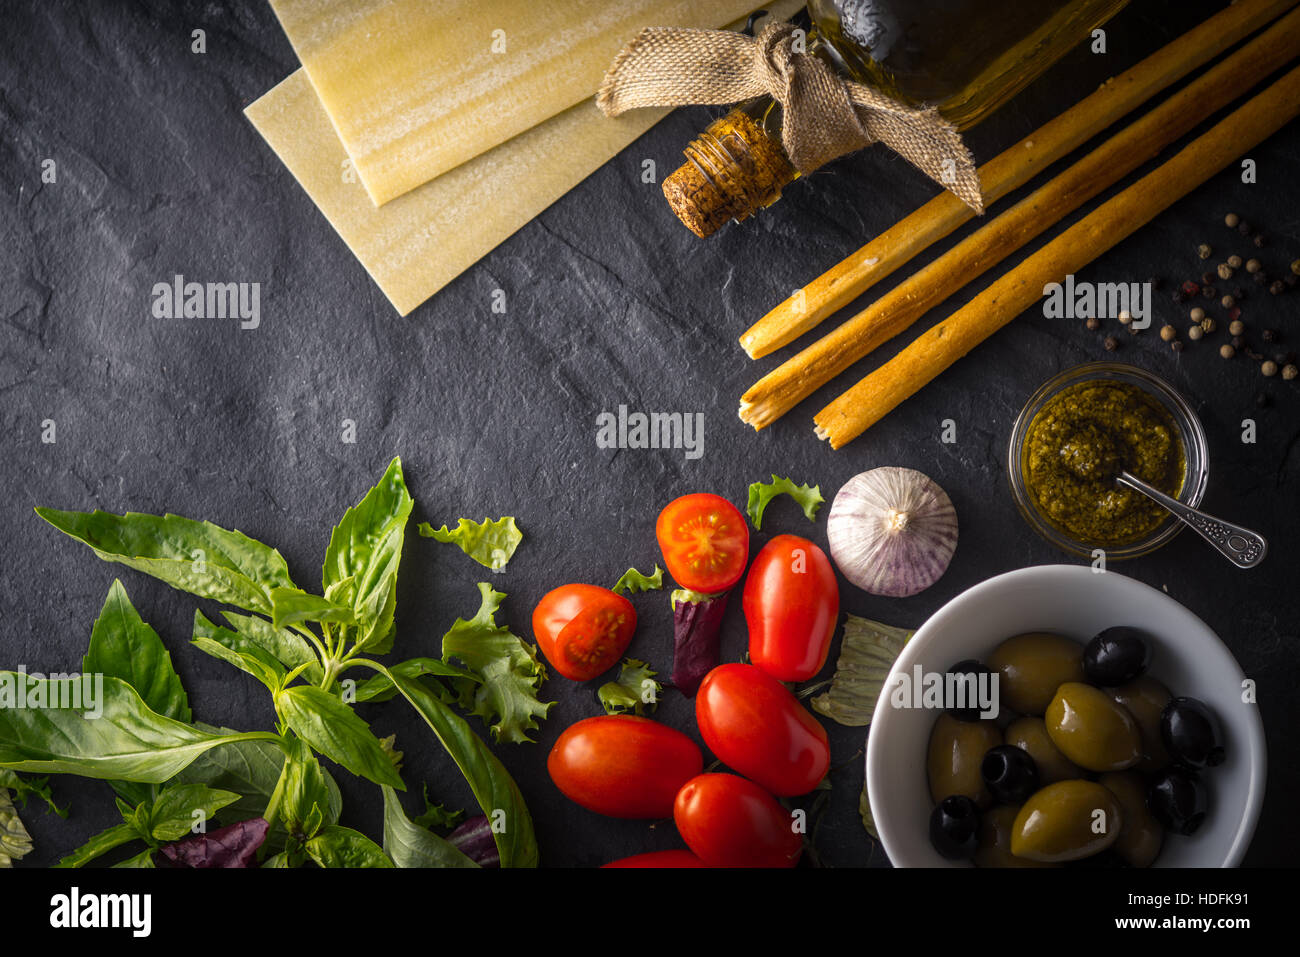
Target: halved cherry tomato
(791,602)
(623,766)
(583,629)
(705,541)
(658,859)
(730,822)
(757,727)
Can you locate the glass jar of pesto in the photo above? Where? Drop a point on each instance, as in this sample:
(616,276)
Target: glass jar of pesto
(1075,435)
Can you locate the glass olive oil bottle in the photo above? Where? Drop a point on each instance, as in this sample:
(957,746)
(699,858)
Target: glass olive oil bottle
(964,57)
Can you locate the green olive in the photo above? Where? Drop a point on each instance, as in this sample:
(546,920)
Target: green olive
(994,848)
(1090,729)
(1030,735)
(1066,821)
(956,750)
(1145,698)
(1141,835)
(1031,667)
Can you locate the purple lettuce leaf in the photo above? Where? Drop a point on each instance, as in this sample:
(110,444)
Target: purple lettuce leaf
(233,846)
(474,839)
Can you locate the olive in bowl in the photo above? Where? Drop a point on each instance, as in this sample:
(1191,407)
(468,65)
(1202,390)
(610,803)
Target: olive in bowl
(1190,733)
(1115,656)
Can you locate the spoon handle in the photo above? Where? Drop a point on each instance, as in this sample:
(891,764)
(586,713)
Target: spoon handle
(1243,548)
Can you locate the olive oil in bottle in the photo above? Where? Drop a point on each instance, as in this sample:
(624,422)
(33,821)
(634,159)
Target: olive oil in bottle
(964,57)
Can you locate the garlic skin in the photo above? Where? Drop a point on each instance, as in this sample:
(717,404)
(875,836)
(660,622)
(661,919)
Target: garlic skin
(892,531)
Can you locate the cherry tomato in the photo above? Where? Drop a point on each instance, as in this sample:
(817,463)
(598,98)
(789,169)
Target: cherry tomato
(730,822)
(583,629)
(757,727)
(623,766)
(658,859)
(705,541)
(792,603)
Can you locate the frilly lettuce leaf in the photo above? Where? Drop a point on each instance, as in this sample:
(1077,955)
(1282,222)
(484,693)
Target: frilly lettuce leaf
(634,581)
(635,690)
(491,544)
(761,493)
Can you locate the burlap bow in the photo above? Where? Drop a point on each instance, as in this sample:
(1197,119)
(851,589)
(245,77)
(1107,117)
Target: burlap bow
(824,115)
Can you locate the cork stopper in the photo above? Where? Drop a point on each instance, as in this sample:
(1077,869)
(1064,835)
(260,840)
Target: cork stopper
(732,170)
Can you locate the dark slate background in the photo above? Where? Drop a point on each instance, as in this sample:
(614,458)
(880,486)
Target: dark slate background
(610,301)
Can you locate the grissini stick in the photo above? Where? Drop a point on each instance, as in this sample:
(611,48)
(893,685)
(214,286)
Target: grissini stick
(939,347)
(1007,172)
(793,381)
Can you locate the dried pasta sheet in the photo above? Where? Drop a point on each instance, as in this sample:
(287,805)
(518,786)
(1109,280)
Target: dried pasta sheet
(415,88)
(419,242)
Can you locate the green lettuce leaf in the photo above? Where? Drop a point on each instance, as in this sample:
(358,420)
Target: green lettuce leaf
(491,544)
(25,787)
(630,692)
(15,842)
(867,652)
(634,581)
(761,493)
(508,671)
(435,815)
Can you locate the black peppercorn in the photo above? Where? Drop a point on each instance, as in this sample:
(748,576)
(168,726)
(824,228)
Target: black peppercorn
(1238,342)
(1208,292)
(1243,227)
(1111,343)
(1207,277)
(1277,287)
(1176,345)
(1093,323)
(1179,296)
(1270,335)
(1258,240)
(1291,280)
(1260,277)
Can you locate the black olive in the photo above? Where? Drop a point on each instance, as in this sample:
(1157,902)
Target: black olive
(954,827)
(1009,773)
(1178,800)
(973,669)
(1191,733)
(1115,656)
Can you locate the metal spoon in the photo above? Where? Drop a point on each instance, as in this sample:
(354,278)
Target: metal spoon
(1243,548)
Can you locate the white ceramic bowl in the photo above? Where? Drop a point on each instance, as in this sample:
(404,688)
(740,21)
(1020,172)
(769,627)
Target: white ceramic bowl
(1075,601)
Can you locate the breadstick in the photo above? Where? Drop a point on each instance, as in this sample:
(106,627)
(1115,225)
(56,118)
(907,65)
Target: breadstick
(939,347)
(1005,173)
(784,387)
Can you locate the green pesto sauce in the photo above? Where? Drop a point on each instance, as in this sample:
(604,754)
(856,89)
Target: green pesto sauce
(1080,440)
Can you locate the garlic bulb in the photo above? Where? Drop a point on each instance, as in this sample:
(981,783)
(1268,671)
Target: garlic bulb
(892,531)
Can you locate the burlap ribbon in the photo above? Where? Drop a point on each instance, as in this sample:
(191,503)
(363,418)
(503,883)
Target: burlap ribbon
(824,115)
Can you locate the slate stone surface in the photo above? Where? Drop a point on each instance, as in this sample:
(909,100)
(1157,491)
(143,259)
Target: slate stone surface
(610,301)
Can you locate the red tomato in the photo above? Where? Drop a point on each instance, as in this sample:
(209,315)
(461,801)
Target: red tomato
(731,822)
(623,766)
(705,541)
(757,727)
(792,603)
(583,629)
(658,859)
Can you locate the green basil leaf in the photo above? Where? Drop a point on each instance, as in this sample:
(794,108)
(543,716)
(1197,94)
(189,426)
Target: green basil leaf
(41,731)
(287,647)
(410,845)
(143,859)
(333,729)
(508,671)
(99,845)
(278,860)
(337,846)
(305,793)
(15,842)
(172,815)
(366,547)
(251,769)
(379,688)
(760,493)
(123,646)
(234,649)
(493,787)
(634,581)
(491,544)
(290,606)
(635,690)
(197,557)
